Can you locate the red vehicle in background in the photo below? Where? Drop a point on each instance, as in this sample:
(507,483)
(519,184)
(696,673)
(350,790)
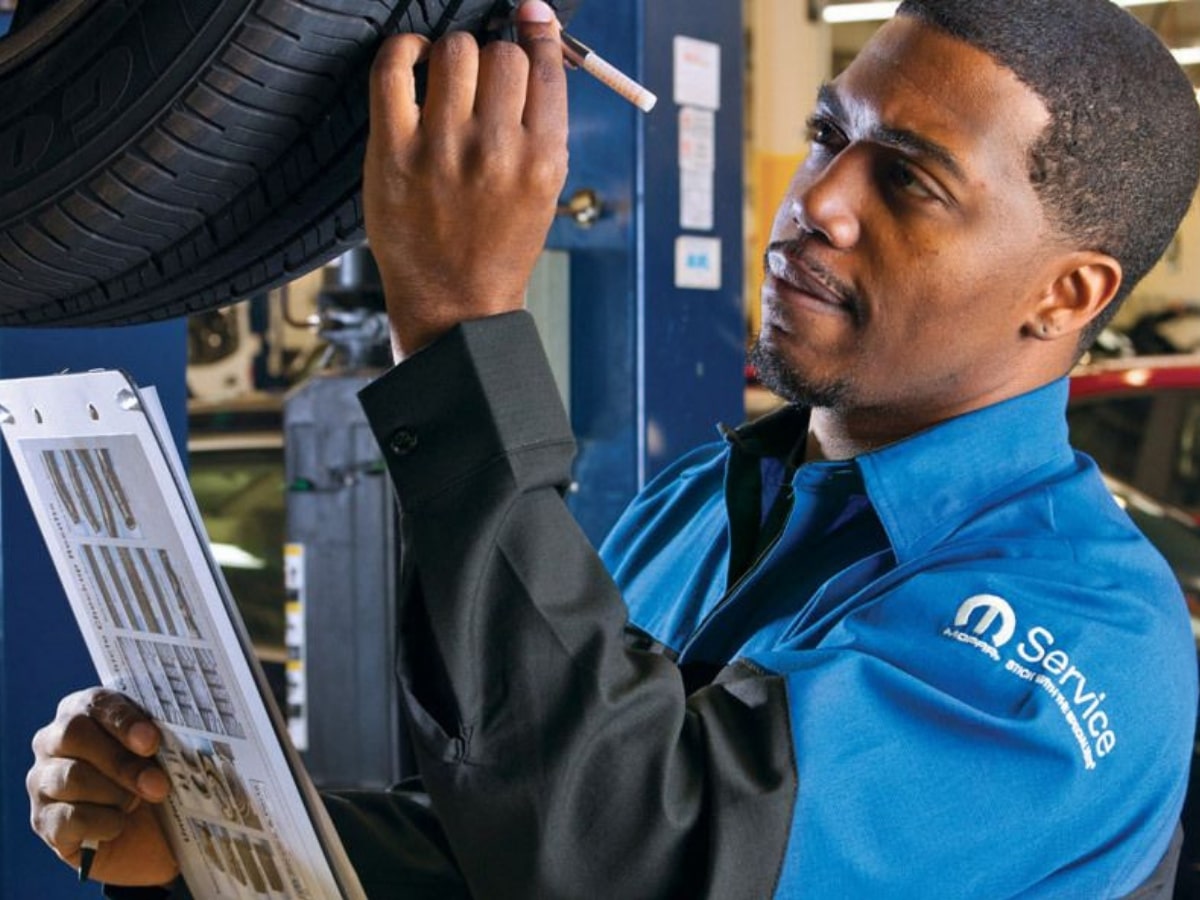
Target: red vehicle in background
(1139,418)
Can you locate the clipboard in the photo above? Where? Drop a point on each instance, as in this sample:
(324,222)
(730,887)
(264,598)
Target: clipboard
(111,497)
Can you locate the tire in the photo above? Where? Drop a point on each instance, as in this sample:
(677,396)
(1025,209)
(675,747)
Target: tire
(163,157)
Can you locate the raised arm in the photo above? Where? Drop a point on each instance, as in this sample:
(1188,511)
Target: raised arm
(521,690)
(460,193)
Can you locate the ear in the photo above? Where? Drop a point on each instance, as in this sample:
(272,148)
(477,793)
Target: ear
(1082,288)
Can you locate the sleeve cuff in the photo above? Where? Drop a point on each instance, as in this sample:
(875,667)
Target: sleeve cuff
(480,392)
(178,892)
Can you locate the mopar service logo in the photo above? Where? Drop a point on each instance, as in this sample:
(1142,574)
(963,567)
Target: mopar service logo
(989,623)
(994,622)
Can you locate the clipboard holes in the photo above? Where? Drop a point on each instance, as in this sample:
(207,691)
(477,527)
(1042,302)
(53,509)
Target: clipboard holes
(37,415)
(128,400)
(93,412)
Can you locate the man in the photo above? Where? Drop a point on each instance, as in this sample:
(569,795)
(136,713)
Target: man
(896,640)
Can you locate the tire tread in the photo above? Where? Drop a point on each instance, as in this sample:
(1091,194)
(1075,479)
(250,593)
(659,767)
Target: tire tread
(246,177)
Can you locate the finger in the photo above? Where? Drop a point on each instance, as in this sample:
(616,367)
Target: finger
(503,75)
(115,714)
(546,95)
(61,780)
(82,737)
(65,826)
(120,717)
(453,76)
(395,114)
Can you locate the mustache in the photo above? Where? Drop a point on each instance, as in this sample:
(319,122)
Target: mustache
(794,249)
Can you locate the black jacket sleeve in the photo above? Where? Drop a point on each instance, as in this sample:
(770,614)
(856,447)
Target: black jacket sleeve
(561,762)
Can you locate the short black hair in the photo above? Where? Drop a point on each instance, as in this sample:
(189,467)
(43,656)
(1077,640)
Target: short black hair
(1117,165)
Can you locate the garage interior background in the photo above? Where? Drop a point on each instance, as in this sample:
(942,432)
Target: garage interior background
(646,296)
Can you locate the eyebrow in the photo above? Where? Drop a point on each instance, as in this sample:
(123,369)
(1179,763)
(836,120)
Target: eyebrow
(900,138)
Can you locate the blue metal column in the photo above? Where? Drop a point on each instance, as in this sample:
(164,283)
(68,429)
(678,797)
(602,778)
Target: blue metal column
(653,366)
(42,657)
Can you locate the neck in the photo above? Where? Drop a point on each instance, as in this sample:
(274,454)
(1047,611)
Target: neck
(835,437)
(855,428)
(845,434)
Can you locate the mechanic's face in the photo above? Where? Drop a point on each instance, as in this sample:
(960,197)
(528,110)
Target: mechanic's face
(911,246)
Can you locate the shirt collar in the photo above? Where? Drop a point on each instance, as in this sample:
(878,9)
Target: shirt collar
(927,485)
(780,434)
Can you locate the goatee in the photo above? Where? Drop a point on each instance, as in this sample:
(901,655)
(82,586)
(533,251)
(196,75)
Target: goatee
(775,374)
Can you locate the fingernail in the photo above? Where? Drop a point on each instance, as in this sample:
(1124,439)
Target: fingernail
(536,11)
(152,784)
(143,737)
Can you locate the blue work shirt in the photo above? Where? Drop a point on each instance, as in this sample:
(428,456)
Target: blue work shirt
(990,673)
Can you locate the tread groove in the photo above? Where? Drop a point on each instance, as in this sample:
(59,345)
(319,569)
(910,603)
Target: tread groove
(101,238)
(279,65)
(150,199)
(222,66)
(148,160)
(230,100)
(37,226)
(259,19)
(185,145)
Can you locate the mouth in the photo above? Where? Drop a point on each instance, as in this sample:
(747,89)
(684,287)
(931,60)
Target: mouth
(795,278)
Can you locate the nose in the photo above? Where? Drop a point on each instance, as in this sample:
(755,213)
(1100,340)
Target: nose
(828,201)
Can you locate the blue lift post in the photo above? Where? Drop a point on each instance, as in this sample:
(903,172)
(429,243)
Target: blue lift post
(654,366)
(42,657)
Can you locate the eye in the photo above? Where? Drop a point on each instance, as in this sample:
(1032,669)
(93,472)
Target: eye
(823,133)
(903,176)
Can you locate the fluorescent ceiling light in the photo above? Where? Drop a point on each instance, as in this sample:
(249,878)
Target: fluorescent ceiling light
(1187,56)
(230,556)
(858,12)
(839,13)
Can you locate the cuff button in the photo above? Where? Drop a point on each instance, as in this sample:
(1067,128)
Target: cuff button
(403,442)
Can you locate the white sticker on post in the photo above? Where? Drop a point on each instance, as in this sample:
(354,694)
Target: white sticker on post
(697,167)
(697,139)
(698,263)
(696,200)
(697,73)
